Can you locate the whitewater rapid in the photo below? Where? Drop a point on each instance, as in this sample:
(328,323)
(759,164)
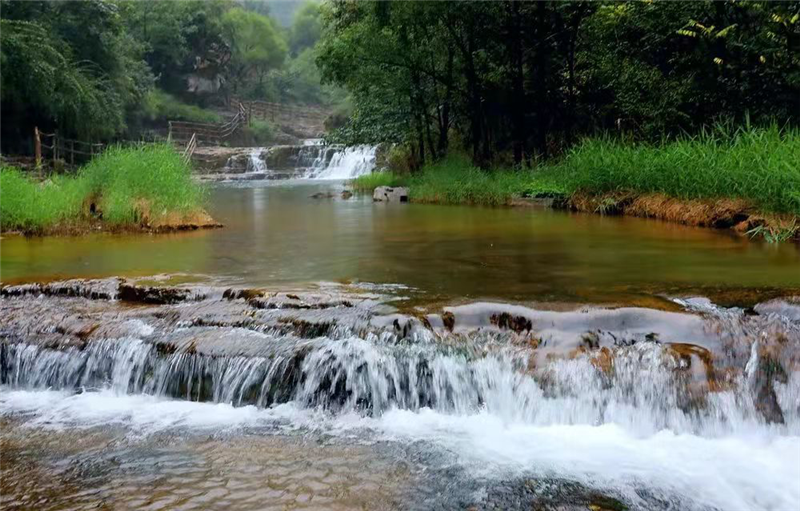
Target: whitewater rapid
(625,413)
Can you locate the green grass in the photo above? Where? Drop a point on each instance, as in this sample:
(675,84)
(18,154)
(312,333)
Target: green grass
(121,182)
(259,133)
(368,182)
(454,180)
(761,165)
(160,106)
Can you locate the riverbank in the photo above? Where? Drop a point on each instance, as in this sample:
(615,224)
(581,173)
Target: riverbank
(748,180)
(145,188)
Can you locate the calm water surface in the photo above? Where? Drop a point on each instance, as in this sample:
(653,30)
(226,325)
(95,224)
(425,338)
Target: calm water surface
(276,235)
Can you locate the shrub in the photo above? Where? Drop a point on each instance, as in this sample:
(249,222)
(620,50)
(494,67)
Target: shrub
(368,182)
(123,183)
(259,133)
(160,106)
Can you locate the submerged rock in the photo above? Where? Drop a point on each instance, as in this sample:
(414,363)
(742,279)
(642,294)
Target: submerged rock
(390,194)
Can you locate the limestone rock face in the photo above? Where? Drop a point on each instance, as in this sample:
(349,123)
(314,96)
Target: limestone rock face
(390,194)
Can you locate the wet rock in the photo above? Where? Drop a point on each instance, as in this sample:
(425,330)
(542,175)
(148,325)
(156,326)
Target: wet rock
(322,195)
(449,320)
(153,295)
(390,194)
(346,194)
(788,308)
(505,320)
(308,329)
(246,294)
(102,289)
(768,372)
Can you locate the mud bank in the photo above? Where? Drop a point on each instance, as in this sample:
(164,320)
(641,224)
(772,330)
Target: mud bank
(737,215)
(170,222)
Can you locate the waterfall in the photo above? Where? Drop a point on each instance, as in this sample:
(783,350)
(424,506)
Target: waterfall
(255,163)
(644,393)
(601,397)
(336,162)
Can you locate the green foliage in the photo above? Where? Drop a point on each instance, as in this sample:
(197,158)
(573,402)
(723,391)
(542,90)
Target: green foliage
(256,46)
(31,206)
(306,27)
(259,133)
(153,173)
(530,78)
(454,180)
(160,106)
(368,182)
(759,165)
(123,183)
(755,164)
(45,81)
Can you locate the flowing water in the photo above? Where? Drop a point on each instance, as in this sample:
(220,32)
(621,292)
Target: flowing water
(342,354)
(276,234)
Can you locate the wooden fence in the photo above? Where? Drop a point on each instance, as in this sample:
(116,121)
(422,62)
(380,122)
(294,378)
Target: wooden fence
(276,111)
(208,132)
(52,147)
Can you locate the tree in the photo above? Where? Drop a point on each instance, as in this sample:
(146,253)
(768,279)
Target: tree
(256,46)
(69,66)
(528,78)
(306,28)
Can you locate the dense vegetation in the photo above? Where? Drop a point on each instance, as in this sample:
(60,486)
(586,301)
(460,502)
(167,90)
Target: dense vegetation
(515,81)
(758,165)
(122,187)
(104,70)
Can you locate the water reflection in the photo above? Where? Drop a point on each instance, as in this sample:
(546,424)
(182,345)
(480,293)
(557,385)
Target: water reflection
(277,235)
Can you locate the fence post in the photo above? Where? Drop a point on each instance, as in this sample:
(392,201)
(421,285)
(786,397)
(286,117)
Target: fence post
(37,146)
(55,147)
(169,132)
(72,152)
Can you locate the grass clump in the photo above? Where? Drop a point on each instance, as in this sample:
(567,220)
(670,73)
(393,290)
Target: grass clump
(368,182)
(454,180)
(161,106)
(123,186)
(259,133)
(31,206)
(758,165)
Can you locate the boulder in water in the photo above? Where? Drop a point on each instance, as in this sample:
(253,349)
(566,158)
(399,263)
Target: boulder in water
(390,194)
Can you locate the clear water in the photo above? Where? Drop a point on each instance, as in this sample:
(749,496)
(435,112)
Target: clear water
(424,422)
(277,235)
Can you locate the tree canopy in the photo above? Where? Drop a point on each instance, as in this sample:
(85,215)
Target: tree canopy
(527,78)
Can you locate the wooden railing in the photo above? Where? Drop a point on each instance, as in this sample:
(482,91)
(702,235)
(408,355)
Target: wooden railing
(54,148)
(276,111)
(190,147)
(208,132)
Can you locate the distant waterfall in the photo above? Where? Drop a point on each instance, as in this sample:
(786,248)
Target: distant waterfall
(255,163)
(336,162)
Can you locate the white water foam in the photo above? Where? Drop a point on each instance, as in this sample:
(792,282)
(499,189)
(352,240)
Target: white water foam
(254,163)
(759,470)
(346,163)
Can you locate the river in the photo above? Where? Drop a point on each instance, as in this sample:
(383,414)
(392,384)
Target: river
(331,353)
(276,234)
